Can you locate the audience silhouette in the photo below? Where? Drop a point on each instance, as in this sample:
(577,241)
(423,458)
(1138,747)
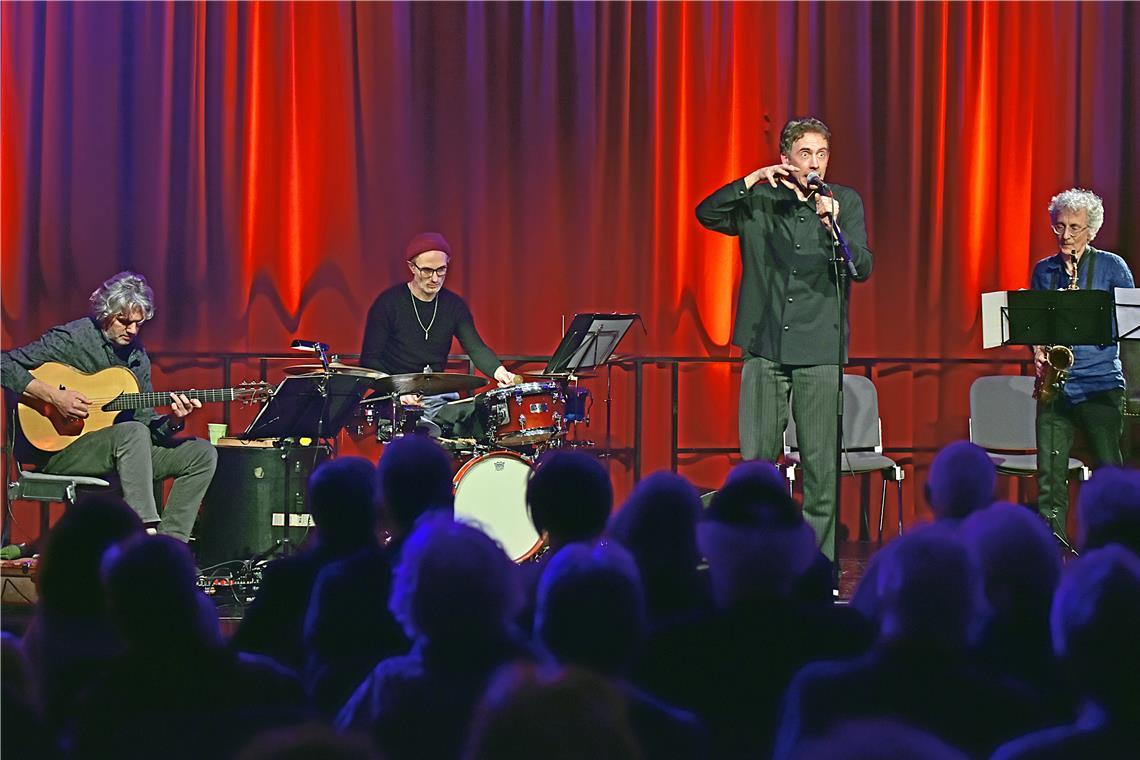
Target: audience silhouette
(456,594)
(342,501)
(658,525)
(731,666)
(176,690)
(681,632)
(348,627)
(1094,620)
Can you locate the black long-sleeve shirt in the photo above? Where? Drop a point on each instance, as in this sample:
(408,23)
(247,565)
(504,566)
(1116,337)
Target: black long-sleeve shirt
(394,340)
(786,311)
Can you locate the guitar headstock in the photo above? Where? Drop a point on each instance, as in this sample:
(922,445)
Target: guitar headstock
(253,392)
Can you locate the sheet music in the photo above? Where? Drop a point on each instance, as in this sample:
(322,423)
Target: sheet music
(995,318)
(1127,313)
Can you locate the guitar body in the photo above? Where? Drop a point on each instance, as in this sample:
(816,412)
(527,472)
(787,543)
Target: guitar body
(47,429)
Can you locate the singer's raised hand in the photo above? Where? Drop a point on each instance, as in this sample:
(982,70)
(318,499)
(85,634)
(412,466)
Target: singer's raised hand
(773,175)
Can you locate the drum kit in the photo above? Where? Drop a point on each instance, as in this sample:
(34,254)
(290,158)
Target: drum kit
(513,425)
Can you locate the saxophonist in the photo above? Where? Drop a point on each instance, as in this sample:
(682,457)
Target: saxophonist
(1092,396)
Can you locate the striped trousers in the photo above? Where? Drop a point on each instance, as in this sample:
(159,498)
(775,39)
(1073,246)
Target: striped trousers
(764,389)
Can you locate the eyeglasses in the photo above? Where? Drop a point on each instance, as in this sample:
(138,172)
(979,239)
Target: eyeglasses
(428,272)
(1072,229)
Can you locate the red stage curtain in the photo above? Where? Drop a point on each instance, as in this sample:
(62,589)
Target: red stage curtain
(264,163)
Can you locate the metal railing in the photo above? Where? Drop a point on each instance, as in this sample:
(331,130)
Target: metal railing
(635,364)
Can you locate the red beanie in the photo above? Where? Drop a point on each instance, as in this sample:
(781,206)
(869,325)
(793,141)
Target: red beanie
(426,241)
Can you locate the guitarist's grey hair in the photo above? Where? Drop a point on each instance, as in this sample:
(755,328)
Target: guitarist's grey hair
(122,294)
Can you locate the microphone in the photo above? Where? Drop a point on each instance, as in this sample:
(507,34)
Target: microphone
(309,345)
(814,180)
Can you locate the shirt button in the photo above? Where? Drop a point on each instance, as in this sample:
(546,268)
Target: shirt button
(795,271)
(801,219)
(785,327)
(797,245)
(790,299)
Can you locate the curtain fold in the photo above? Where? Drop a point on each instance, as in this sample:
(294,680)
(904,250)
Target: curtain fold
(264,163)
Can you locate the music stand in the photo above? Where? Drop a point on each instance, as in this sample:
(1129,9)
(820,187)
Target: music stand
(589,342)
(316,406)
(1059,317)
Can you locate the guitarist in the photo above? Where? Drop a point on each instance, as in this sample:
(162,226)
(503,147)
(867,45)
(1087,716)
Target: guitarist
(140,447)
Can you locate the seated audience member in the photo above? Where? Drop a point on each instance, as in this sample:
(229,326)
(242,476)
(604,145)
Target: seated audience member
(343,504)
(556,713)
(658,525)
(591,613)
(876,740)
(961,481)
(176,691)
(349,628)
(1020,569)
(1108,510)
(731,667)
(21,714)
(919,671)
(570,498)
(70,639)
(456,594)
(309,741)
(1095,616)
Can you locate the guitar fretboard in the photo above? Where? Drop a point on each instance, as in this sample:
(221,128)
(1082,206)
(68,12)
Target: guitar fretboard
(154,399)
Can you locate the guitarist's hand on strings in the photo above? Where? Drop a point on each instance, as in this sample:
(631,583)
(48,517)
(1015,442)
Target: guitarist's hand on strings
(71,404)
(181,405)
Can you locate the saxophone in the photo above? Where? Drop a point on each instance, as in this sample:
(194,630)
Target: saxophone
(1058,362)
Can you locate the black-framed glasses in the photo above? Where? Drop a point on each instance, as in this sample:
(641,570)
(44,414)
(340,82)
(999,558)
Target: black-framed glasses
(428,272)
(1072,229)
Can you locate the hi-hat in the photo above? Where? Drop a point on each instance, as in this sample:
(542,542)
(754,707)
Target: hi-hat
(335,368)
(428,383)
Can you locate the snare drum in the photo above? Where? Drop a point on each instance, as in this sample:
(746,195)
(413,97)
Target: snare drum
(490,494)
(523,414)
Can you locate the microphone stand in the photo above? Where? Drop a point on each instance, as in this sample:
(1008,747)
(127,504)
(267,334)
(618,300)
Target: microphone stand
(844,266)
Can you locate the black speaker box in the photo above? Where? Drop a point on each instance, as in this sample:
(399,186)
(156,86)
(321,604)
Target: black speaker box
(255,491)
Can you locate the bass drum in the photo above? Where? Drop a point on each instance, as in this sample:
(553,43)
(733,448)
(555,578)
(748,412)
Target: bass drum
(490,494)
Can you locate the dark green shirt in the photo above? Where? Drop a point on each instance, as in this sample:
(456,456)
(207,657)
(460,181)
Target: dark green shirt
(82,345)
(786,311)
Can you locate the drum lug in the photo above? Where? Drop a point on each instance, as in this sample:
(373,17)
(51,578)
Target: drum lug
(522,421)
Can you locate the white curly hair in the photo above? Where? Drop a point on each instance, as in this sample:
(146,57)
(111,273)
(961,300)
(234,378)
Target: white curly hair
(1075,199)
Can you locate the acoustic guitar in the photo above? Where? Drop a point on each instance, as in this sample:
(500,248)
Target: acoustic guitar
(110,391)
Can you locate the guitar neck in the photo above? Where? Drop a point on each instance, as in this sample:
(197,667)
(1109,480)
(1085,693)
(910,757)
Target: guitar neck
(156,399)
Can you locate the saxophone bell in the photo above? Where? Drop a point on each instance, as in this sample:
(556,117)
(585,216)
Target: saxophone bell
(1058,362)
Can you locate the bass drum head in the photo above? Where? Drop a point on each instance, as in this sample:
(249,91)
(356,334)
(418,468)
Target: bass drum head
(490,494)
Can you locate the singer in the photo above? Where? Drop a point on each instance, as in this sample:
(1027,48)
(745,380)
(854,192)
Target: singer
(1092,398)
(786,317)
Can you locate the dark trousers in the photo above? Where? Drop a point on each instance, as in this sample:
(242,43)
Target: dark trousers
(126,448)
(764,389)
(1100,418)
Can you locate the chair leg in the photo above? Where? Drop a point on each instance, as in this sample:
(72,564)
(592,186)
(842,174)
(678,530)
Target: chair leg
(882,509)
(898,490)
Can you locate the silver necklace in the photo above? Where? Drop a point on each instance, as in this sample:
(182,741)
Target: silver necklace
(416,309)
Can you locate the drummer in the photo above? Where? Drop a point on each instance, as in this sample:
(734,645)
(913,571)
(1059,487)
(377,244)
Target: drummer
(410,327)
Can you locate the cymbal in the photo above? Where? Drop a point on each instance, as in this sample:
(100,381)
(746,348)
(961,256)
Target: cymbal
(428,383)
(335,368)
